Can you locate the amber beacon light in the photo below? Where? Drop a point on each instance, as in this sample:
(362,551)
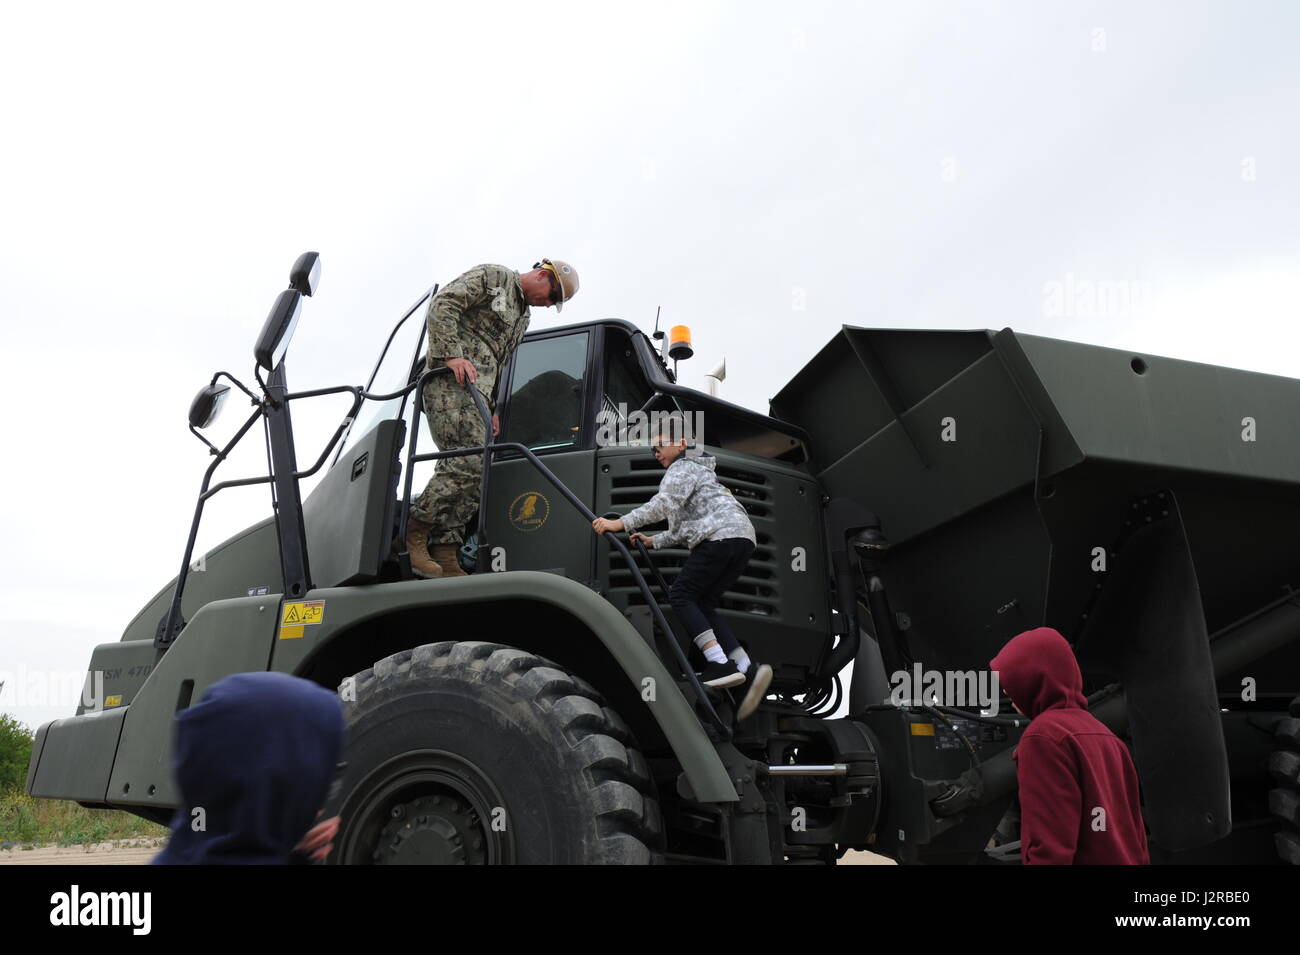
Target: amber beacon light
(679,343)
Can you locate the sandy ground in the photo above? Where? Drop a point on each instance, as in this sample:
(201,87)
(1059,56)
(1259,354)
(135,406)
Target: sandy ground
(865,858)
(124,852)
(139,852)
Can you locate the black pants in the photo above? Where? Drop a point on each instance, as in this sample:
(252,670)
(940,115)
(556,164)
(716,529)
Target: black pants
(707,574)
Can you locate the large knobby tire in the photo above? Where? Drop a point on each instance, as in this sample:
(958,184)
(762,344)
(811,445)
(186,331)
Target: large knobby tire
(476,753)
(1284,800)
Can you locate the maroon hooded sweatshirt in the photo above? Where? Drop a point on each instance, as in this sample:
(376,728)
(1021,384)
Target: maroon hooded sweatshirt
(1069,766)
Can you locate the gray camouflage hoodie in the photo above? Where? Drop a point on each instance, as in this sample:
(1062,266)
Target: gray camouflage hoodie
(695,505)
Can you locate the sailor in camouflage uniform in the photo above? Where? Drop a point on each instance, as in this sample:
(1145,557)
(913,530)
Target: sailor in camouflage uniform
(475,324)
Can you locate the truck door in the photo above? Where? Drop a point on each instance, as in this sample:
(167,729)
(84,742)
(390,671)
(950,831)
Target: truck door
(529,525)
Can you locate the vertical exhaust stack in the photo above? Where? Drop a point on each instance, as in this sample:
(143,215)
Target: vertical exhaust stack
(716,377)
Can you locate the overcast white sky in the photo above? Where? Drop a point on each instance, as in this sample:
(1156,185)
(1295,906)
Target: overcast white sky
(766,172)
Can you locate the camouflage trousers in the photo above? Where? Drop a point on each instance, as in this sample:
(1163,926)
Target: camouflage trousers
(450,498)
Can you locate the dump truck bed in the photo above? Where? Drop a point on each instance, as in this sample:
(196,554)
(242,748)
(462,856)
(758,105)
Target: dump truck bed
(1142,506)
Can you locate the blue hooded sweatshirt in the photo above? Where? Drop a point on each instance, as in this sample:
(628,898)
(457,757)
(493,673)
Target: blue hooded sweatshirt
(256,755)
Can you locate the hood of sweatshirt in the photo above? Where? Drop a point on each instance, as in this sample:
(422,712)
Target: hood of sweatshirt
(256,755)
(1038,670)
(700,457)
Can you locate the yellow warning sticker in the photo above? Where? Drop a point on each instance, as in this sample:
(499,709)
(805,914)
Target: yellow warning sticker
(302,613)
(922,729)
(113,701)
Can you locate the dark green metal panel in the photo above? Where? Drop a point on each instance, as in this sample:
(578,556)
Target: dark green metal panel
(864,379)
(72,758)
(226,636)
(246,563)
(961,446)
(345,607)
(348,517)
(535,527)
(1174,414)
(1092,430)
(125,666)
(1148,630)
(242,635)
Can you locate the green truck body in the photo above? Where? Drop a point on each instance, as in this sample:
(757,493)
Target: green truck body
(919,497)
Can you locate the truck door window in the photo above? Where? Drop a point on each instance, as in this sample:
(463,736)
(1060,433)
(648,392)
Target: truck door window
(626,388)
(545,409)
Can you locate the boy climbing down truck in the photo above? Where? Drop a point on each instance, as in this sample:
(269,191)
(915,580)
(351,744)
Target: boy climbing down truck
(703,516)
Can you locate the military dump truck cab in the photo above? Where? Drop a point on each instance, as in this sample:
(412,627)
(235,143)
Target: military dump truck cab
(918,498)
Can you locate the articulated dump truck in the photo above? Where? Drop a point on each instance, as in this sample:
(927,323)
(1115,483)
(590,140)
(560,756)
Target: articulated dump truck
(919,498)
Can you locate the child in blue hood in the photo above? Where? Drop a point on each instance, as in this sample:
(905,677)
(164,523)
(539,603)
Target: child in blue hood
(705,517)
(253,761)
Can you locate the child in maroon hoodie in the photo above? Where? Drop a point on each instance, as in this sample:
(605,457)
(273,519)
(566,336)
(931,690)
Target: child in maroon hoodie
(1078,787)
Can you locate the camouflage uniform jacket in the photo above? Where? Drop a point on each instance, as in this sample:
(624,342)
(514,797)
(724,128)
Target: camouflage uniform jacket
(482,316)
(696,506)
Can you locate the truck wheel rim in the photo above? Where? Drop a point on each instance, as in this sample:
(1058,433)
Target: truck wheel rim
(427,807)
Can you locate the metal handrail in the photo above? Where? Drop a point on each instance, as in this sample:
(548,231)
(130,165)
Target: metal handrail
(489,448)
(659,577)
(172,623)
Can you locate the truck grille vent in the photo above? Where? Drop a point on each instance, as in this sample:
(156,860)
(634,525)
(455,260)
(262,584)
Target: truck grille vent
(749,487)
(758,589)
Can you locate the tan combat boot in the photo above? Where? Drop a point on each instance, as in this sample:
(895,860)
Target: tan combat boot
(417,545)
(445,555)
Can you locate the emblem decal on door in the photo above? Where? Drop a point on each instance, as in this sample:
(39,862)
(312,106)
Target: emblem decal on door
(528,512)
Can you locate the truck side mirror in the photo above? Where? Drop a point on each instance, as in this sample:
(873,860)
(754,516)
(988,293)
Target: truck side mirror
(305,274)
(207,405)
(278,330)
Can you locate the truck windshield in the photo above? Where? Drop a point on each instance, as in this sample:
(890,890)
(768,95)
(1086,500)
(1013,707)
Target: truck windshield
(392,371)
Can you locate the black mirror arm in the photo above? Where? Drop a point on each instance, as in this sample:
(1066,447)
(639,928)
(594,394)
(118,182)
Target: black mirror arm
(237,383)
(172,623)
(212,448)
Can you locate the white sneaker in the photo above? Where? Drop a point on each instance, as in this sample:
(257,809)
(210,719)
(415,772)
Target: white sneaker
(760,678)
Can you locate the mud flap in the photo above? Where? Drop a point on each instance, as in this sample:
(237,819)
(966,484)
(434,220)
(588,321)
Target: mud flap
(1148,629)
